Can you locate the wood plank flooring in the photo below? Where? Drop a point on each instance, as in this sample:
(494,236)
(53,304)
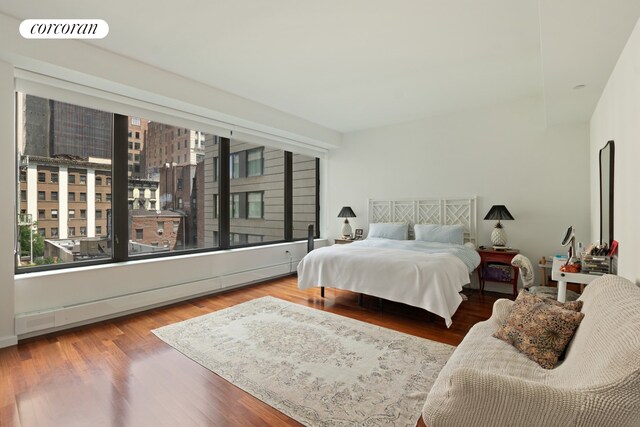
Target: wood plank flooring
(117,373)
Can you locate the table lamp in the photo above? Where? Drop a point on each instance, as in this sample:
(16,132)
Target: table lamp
(498,235)
(346,212)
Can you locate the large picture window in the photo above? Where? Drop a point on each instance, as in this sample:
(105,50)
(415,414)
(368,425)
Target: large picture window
(77,189)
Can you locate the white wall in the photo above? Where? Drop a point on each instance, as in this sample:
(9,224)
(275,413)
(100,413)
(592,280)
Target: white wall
(7,208)
(502,155)
(617,117)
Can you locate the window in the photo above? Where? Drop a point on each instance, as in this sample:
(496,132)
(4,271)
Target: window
(234,205)
(186,199)
(42,231)
(255,162)
(234,166)
(137,135)
(255,205)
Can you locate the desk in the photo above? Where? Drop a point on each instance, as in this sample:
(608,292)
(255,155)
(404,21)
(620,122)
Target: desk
(562,278)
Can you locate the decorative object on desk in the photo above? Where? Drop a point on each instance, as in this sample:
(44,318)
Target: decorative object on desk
(571,268)
(570,239)
(346,212)
(525,269)
(498,235)
(358,234)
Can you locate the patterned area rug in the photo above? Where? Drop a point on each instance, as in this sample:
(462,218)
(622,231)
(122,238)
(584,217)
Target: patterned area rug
(319,368)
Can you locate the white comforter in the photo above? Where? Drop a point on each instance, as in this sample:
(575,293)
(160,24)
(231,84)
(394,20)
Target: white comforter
(419,274)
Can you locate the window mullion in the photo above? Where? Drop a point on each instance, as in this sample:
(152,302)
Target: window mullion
(119,189)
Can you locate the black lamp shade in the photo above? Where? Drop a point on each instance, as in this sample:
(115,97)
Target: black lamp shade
(346,212)
(499,212)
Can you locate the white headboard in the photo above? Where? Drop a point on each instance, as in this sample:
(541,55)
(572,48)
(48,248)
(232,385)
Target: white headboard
(427,211)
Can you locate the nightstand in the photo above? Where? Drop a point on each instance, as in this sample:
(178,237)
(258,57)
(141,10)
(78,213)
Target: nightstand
(343,241)
(502,258)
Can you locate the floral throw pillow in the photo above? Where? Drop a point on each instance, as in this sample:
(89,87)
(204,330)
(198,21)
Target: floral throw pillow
(539,329)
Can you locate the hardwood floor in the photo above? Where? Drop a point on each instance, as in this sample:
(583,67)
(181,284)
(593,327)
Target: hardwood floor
(117,373)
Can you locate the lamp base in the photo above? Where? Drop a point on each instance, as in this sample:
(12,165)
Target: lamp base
(499,237)
(346,229)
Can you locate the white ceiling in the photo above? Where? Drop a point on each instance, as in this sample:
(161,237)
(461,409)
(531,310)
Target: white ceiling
(357,64)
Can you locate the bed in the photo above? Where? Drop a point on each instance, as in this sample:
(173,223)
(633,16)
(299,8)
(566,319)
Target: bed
(420,267)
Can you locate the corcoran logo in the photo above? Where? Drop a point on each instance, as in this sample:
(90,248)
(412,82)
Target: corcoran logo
(64,29)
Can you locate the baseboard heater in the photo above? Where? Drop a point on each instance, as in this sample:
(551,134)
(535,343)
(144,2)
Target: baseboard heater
(40,322)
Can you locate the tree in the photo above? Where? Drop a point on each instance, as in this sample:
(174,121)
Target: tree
(25,246)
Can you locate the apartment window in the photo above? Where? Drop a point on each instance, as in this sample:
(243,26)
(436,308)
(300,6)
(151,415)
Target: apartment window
(72,213)
(135,121)
(108,197)
(160,227)
(54,177)
(234,205)
(255,205)
(42,232)
(176,226)
(99,197)
(83,197)
(109,181)
(255,162)
(41,214)
(234,165)
(42,177)
(98,214)
(23,195)
(152,205)
(137,145)
(137,135)
(54,231)
(83,213)
(98,230)
(72,231)
(185,143)
(130,193)
(139,233)
(216,212)
(72,178)
(54,213)
(185,158)
(54,195)
(23,176)
(130,157)
(72,197)
(130,145)
(83,179)
(42,195)
(83,231)
(98,180)
(180,203)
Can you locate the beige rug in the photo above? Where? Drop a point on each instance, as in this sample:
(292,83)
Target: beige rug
(319,368)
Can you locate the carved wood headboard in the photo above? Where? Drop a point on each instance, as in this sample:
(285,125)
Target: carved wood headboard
(427,211)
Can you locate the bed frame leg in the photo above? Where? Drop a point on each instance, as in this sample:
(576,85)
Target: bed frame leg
(322,291)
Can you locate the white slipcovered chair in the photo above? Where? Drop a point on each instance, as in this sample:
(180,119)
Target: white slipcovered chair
(526,275)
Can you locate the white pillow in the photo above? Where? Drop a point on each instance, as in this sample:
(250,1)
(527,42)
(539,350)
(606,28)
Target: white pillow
(440,233)
(389,231)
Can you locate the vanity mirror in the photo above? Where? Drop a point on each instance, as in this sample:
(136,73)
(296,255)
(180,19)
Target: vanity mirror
(607,154)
